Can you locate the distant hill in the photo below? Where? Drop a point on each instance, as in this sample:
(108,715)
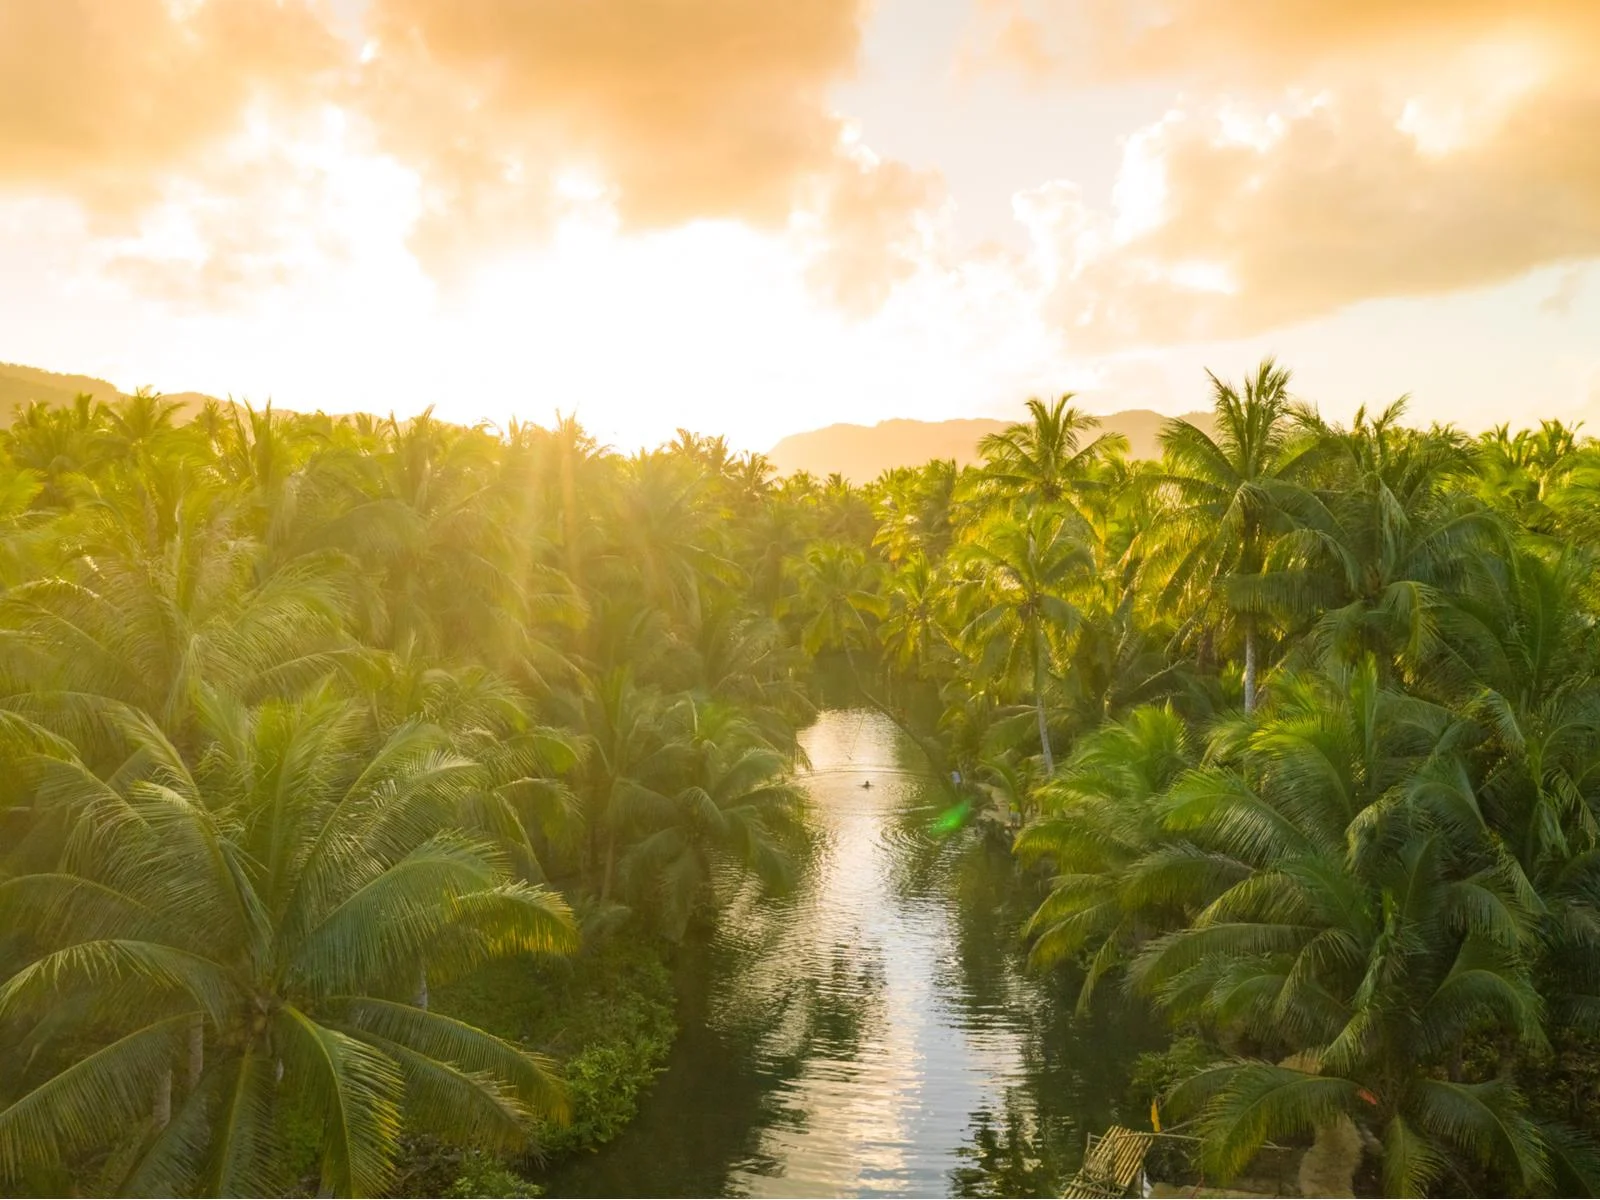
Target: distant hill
(863,452)
(20,386)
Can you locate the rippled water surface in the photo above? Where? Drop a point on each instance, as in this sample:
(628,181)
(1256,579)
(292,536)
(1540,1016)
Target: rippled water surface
(873,1032)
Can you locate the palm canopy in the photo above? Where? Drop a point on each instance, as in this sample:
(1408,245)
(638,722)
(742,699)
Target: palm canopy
(734,813)
(838,598)
(1229,491)
(153,626)
(1380,555)
(1318,889)
(1044,459)
(260,916)
(1015,596)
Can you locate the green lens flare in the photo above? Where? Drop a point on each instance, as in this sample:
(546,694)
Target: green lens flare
(951,819)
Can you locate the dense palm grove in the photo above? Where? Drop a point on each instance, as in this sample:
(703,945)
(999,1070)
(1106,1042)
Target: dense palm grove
(306,717)
(1304,727)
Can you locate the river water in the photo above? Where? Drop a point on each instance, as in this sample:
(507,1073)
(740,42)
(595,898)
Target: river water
(874,1031)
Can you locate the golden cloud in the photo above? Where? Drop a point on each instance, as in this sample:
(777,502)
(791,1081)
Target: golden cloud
(683,109)
(99,98)
(872,228)
(1324,155)
(1250,42)
(663,111)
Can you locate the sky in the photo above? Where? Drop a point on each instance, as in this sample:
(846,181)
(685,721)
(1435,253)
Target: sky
(755,218)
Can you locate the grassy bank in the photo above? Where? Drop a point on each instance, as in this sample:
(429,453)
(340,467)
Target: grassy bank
(606,1016)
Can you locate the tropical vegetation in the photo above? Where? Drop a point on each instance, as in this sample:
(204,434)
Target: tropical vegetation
(324,733)
(1299,725)
(308,723)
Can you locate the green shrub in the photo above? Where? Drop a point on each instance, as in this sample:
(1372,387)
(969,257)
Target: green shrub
(484,1176)
(607,1016)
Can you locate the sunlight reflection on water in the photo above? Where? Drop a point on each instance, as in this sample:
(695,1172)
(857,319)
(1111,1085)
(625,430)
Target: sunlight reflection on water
(873,1032)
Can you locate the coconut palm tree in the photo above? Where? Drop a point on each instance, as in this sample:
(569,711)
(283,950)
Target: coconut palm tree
(1382,552)
(1228,493)
(1018,571)
(1044,459)
(1369,981)
(634,756)
(1099,818)
(912,628)
(151,621)
(255,923)
(733,813)
(838,596)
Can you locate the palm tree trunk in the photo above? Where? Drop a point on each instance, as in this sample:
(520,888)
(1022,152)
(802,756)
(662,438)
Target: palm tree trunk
(1038,704)
(611,863)
(1249,666)
(422,988)
(197,1052)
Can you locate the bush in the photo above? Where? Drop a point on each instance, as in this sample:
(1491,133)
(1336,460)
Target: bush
(607,1016)
(1156,1073)
(483,1176)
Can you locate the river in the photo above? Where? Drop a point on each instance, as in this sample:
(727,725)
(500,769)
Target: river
(874,1031)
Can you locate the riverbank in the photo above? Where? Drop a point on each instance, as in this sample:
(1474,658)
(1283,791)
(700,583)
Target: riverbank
(606,1017)
(875,1031)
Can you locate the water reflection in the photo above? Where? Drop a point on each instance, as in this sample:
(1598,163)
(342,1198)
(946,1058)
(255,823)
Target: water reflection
(873,1033)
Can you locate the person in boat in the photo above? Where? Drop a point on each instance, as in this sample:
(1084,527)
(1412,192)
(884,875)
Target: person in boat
(866,783)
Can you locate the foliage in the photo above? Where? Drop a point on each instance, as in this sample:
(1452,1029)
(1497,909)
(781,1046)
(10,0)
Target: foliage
(605,1016)
(481,1176)
(1302,723)
(309,718)
(321,728)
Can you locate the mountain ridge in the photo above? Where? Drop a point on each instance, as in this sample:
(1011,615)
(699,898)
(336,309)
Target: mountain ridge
(863,452)
(858,452)
(20,385)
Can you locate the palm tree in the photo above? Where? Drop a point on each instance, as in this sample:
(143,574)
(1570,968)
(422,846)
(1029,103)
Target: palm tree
(732,813)
(634,757)
(916,511)
(838,594)
(1374,980)
(912,627)
(63,446)
(1228,494)
(153,625)
(1099,818)
(257,921)
(25,532)
(1380,556)
(1044,459)
(1321,895)
(1018,571)
(668,537)
(137,423)
(1522,474)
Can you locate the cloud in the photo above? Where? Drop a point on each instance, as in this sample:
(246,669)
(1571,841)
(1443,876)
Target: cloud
(1559,302)
(680,109)
(1249,43)
(869,226)
(190,128)
(99,99)
(1322,155)
(265,214)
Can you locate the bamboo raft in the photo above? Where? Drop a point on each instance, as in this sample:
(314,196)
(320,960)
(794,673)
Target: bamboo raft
(1110,1164)
(1114,1166)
